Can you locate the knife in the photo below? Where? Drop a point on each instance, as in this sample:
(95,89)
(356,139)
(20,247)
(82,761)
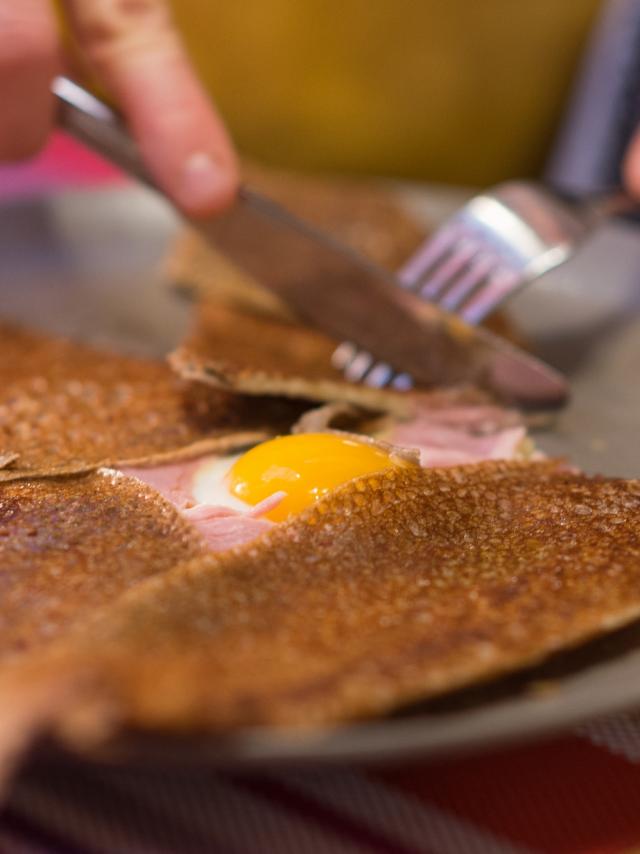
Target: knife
(330,286)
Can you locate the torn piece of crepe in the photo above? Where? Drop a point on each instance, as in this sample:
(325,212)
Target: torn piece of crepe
(261,355)
(67,407)
(393,588)
(71,545)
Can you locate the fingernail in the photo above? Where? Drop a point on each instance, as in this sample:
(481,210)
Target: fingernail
(201,182)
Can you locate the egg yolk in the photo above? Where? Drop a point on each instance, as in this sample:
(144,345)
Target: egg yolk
(305,467)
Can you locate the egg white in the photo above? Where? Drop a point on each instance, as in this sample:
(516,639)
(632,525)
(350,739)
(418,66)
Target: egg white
(210,484)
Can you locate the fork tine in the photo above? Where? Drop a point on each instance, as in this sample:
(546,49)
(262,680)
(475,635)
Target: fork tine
(402,382)
(380,375)
(441,278)
(499,286)
(358,366)
(476,274)
(343,355)
(357,369)
(492,246)
(431,254)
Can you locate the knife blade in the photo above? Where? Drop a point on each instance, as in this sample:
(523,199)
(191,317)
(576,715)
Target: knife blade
(330,286)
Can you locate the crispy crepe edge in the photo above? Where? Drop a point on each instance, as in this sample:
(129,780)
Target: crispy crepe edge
(218,374)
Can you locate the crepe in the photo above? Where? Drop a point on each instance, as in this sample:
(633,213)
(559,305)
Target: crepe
(69,546)
(261,355)
(397,586)
(66,407)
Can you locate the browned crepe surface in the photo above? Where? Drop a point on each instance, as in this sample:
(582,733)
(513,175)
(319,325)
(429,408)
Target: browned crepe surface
(69,546)
(397,586)
(255,354)
(65,406)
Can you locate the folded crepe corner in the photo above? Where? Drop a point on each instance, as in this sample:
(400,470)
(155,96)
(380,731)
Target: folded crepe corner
(69,547)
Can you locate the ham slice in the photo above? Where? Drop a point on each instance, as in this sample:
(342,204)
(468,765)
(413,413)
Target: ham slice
(457,435)
(172,480)
(222,527)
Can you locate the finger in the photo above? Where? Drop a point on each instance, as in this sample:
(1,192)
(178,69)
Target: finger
(137,53)
(28,62)
(631,166)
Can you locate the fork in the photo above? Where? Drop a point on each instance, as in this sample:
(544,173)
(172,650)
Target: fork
(495,244)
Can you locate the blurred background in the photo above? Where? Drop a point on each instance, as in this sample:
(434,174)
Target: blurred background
(456,91)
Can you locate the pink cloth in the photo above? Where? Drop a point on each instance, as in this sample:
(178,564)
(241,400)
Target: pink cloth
(63,164)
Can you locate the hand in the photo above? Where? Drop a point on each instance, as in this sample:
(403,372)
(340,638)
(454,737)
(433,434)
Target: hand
(139,58)
(631,167)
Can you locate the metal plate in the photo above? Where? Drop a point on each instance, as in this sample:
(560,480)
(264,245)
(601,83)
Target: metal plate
(88,264)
